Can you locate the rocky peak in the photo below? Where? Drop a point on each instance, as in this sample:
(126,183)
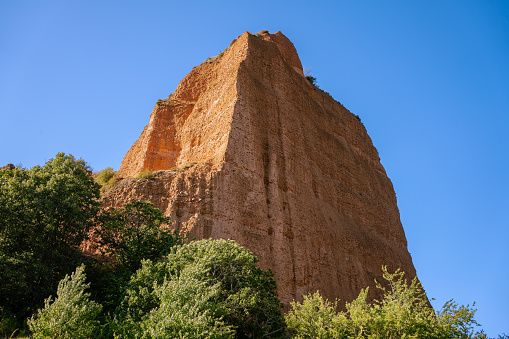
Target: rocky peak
(286,47)
(247,149)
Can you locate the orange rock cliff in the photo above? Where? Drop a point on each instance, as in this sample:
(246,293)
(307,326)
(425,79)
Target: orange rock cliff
(247,149)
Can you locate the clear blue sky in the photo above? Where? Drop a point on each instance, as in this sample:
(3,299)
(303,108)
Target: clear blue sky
(430,80)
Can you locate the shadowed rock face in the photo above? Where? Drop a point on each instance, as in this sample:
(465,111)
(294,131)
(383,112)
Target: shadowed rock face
(275,164)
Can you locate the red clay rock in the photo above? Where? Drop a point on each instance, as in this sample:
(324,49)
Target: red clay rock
(8,167)
(281,167)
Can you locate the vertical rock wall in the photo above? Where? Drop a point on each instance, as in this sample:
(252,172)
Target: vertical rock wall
(280,167)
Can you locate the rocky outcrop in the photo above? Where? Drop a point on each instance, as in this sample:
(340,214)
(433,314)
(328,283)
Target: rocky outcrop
(247,149)
(8,167)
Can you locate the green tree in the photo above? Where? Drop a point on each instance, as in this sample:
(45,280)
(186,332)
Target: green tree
(128,234)
(403,312)
(45,214)
(71,315)
(134,232)
(245,299)
(47,208)
(182,307)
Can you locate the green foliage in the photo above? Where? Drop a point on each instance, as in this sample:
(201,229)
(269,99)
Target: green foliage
(457,321)
(46,207)
(129,234)
(215,58)
(263,31)
(188,165)
(136,231)
(316,318)
(71,315)
(241,295)
(145,174)
(8,324)
(188,307)
(185,308)
(402,313)
(45,214)
(107,178)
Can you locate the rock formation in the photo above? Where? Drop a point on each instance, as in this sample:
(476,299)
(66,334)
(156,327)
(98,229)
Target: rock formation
(8,167)
(247,149)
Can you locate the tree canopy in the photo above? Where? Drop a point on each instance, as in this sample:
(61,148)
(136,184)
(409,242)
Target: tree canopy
(232,289)
(46,212)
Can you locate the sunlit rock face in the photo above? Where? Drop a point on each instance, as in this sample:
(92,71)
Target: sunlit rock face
(246,148)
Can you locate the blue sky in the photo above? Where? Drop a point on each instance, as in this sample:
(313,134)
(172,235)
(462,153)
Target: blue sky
(429,79)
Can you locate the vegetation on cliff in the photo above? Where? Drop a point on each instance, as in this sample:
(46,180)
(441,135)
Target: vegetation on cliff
(106,178)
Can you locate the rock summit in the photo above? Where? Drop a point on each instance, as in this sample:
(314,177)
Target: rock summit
(246,148)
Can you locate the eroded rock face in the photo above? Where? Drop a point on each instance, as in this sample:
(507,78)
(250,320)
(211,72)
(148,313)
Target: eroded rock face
(278,165)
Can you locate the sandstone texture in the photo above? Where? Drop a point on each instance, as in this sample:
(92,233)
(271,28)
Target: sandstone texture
(247,149)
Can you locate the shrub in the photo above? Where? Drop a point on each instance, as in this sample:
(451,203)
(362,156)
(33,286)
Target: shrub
(147,174)
(402,313)
(189,165)
(315,318)
(186,308)
(215,58)
(107,178)
(264,31)
(71,315)
(245,300)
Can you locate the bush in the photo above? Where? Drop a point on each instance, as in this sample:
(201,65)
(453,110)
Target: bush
(188,165)
(245,300)
(402,313)
(145,174)
(185,308)
(316,318)
(107,178)
(71,315)
(263,31)
(188,307)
